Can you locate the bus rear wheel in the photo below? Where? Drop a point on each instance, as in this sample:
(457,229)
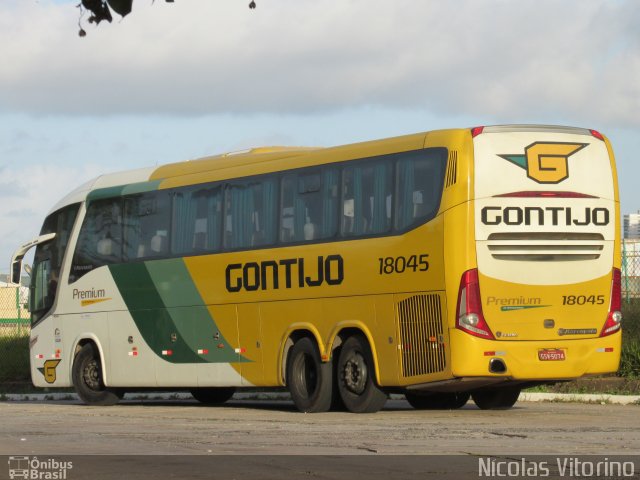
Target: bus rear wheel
(213,395)
(356,377)
(310,381)
(87,379)
(497,398)
(437,401)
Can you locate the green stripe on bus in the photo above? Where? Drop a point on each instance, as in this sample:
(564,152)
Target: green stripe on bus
(141,187)
(190,316)
(118,191)
(101,193)
(162,314)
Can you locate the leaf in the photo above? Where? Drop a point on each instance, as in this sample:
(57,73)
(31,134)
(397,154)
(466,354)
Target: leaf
(121,7)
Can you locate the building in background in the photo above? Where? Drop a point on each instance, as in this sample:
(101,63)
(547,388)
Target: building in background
(631,226)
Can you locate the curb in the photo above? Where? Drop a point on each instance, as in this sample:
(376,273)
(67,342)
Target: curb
(603,399)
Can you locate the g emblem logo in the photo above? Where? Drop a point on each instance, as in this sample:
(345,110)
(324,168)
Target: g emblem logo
(546,162)
(48,370)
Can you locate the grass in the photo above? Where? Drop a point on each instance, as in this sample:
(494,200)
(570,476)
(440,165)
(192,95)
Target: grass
(630,357)
(14,357)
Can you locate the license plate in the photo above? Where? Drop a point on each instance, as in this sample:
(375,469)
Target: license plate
(551,354)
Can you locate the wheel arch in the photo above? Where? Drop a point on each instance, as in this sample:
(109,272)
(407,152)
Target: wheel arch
(81,341)
(343,330)
(294,333)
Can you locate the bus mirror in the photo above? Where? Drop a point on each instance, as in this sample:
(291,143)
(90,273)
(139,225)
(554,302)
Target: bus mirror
(16,270)
(27,269)
(16,262)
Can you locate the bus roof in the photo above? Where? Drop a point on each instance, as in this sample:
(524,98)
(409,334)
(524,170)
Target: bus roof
(195,171)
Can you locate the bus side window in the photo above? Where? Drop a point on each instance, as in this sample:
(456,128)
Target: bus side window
(420,178)
(309,205)
(197,215)
(147,220)
(100,239)
(367,196)
(250,213)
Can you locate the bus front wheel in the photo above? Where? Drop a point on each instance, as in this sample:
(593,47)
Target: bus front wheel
(309,380)
(87,379)
(356,377)
(213,395)
(437,401)
(497,398)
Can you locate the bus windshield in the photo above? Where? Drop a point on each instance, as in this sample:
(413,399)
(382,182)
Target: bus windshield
(48,261)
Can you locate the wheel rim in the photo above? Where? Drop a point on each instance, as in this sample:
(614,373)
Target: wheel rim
(91,375)
(354,374)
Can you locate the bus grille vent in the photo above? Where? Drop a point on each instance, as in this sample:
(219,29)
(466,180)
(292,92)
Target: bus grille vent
(546,246)
(452,168)
(422,340)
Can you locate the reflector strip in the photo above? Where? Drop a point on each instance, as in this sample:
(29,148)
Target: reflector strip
(133,354)
(605,350)
(241,350)
(39,356)
(498,353)
(167,353)
(203,351)
(545,194)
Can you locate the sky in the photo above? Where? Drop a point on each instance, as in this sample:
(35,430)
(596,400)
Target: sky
(177,81)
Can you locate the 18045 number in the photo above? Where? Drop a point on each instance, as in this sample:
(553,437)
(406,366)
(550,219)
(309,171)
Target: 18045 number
(413,263)
(583,299)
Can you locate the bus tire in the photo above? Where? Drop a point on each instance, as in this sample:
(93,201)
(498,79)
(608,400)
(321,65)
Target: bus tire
(213,395)
(87,379)
(496,398)
(310,381)
(356,377)
(437,401)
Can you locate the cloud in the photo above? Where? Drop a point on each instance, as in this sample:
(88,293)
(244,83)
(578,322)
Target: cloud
(576,58)
(29,193)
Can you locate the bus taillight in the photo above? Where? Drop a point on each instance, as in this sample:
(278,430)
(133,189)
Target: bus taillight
(614,318)
(469,317)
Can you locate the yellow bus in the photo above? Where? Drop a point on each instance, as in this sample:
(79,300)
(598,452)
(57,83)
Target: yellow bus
(443,265)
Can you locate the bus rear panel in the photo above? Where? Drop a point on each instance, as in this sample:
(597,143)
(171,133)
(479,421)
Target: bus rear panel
(543,302)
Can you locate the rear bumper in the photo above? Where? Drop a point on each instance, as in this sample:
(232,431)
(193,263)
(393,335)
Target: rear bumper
(472,357)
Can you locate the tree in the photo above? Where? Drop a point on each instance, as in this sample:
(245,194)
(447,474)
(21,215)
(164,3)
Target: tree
(101,10)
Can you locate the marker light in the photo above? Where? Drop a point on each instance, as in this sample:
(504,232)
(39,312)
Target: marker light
(469,317)
(597,134)
(614,317)
(475,131)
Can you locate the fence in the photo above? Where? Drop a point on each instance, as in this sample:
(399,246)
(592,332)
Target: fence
(13,312)
(14,334)
(630,269)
